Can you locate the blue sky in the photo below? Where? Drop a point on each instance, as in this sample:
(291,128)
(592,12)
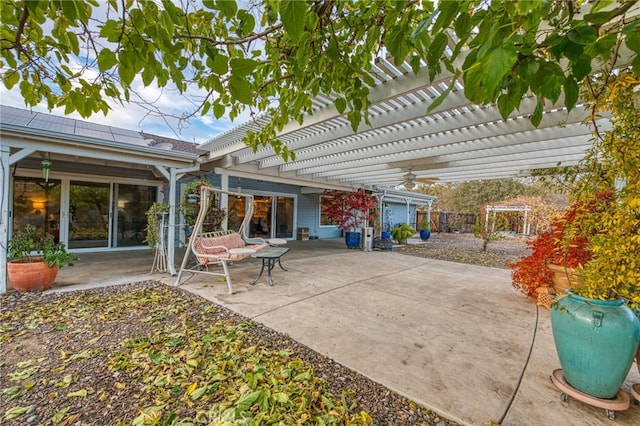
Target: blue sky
(133,117)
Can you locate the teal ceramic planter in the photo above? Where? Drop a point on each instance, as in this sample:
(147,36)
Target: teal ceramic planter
(596,341)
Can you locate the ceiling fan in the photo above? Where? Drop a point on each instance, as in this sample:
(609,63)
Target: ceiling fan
(410,179)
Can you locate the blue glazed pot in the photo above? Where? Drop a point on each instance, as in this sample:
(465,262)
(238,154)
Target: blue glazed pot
(352,240)
(596,341)
(425,234)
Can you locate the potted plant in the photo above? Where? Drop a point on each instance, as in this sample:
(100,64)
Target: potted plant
(27,271)
(557,253)
(402,233)
(350,211)
(190,207)
(425,230)
(595,329)
(154,219)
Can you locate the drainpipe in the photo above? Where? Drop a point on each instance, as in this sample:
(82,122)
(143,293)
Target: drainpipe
(6,160)
(171,232)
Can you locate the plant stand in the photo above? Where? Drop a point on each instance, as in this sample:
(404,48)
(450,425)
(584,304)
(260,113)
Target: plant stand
(619,403)
(160,256)
(635,392)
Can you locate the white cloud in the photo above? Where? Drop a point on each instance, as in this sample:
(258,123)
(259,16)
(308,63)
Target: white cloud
(164,105)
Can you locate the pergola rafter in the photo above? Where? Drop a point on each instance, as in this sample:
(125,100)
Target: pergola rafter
(456,141)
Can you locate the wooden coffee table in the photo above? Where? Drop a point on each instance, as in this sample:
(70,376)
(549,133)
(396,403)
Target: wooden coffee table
(269,257)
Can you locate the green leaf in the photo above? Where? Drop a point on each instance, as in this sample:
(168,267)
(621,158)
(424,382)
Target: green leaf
(536,117)
(240,90)
(106,60)
(436,103)
(571,92)
(397,45)
(196,394)
(242,67)
(69,10)
(228,8)
(23,374)
(10,78)
(341,104)
(496,64)
(583,34)
(59,415)
(14,412)
(246,400)
(292,13)
(220,64)
(218,110)
(437,47)
(126,73)
(79,393)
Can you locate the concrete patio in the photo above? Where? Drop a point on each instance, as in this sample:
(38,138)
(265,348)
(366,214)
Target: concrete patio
(456,338)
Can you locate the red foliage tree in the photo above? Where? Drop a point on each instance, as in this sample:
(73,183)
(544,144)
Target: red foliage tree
(565,243)
(349,210)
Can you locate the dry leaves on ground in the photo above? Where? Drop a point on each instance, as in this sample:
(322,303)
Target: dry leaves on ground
(150,354)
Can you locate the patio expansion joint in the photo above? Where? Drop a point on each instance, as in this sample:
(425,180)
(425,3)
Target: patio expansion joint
(524,368)
(322,293)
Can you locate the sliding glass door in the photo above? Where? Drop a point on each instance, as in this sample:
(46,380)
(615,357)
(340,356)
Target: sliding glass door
(89,207)
(132,203)
(37,203)
(272,217)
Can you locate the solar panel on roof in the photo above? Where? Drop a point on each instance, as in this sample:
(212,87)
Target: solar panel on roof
(15,116)
(44,122)
(94,133)
(93,126)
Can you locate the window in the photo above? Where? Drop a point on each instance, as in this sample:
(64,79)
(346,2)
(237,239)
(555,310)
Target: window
(324,220)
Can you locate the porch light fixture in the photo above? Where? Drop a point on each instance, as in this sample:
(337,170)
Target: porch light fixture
(46,168)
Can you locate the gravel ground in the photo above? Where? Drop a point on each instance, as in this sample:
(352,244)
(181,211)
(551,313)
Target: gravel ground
(47,371)
(466,248)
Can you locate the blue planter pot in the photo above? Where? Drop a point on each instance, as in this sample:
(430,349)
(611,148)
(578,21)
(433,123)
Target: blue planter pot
(596,341)
(425,234)
(352,240)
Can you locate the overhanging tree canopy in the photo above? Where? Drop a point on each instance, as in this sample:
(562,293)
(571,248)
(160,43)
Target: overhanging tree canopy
(275,56)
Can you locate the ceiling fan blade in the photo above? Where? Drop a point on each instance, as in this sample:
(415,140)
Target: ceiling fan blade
(427,180)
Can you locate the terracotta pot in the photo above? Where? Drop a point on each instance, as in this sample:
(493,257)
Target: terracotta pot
(30,276)
(563,278)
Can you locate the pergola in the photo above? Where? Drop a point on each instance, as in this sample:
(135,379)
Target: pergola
(457,141)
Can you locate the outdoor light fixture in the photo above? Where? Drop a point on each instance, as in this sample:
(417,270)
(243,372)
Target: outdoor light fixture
(46,168)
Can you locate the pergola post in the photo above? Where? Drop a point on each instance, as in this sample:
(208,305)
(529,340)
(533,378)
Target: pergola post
(175,174)
(4,215)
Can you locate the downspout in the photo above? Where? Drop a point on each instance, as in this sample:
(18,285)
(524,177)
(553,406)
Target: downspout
(171,232)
